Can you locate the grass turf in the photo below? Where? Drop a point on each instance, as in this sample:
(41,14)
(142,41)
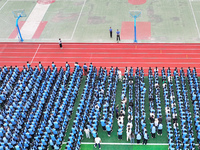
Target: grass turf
(113,138)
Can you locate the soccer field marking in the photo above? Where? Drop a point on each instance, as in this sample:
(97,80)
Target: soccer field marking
(77,21)
(33,21)
(89,143)
(35,53)
(194,18)
(3,5)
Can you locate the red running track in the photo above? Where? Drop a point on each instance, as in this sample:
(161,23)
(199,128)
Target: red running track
(100,54)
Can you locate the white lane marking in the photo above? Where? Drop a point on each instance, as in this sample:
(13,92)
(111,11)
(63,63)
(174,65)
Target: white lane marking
(35,53)
(77,21)
(3,5)
(194,18)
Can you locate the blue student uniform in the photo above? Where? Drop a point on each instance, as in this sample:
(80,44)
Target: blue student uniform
(146,136)
(119,131)
(108,128)
(153,130)
(138,137)
(118,32)
(160,127)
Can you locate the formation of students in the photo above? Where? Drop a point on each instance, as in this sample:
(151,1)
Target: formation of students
(37,105)
(195,94)
(154,100)
(75,137)
(109,102)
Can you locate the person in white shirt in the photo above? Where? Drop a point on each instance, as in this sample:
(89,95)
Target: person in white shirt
(128,133)
(120,75)
(60,43)
(97,140)
(156,123)
(87,132)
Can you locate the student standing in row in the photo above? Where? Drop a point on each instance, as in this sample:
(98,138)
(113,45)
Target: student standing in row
(85,69)
(97,140)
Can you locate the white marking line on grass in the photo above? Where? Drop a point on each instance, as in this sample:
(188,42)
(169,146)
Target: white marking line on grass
(194,18)
(121,143)
(77,20)
(34,20)
(35,53)
(3,5)
(125,143)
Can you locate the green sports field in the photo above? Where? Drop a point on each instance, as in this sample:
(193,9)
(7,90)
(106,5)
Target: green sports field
(112,142)
(89,20)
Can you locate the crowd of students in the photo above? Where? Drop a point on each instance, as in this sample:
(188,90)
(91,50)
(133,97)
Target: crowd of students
(195,94)
(75,137)
(155,101)
(37,105)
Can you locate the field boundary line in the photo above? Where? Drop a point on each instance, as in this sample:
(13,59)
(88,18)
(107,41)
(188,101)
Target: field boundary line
(77,20)
(35,53)
(3,5)
(194,18)
(92,143)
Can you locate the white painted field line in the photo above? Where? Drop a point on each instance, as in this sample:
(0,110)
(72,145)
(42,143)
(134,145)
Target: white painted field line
(194,18)
(3,5)
(35,53)
(77,20)
(124,143)
(103,57)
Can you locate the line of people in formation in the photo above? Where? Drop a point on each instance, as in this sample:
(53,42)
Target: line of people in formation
(184,110)
(195,96)
(32,90)
(76,134)
(156,123)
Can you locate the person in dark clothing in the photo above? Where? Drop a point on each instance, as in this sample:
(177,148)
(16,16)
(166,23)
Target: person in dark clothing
(110,30)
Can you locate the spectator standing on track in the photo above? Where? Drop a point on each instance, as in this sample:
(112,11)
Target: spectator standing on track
(110,32)
(97,140)
(60,43)
(85,69)
(118,35)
